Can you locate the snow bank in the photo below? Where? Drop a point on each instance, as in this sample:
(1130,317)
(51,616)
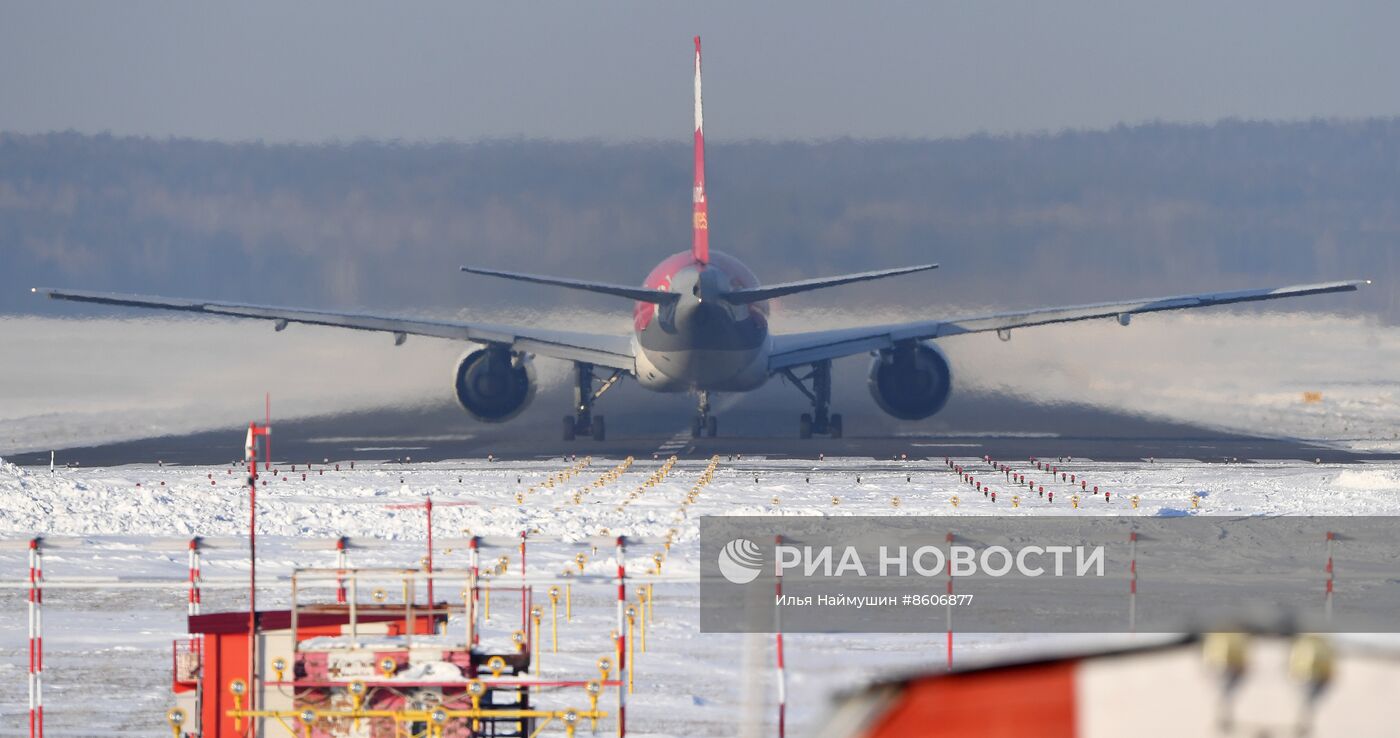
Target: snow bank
(1368,479)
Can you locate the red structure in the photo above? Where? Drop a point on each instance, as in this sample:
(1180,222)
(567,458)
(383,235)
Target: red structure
(378,670)
(1260,683)
(216,657)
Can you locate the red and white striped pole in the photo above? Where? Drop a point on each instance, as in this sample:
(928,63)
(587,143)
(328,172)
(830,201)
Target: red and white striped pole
(250,451)
(524,595)
(36,639)
(267,423)
(622,665)
(341,564)
(193,607)
(476,588)
(1132,581)
(782,667)
(949,564)
(1327,602)
(428,505)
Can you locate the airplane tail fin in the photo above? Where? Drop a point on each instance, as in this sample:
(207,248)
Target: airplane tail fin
(700,240)
(756,294)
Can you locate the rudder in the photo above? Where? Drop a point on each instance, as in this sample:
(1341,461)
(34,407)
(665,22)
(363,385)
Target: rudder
(700,228)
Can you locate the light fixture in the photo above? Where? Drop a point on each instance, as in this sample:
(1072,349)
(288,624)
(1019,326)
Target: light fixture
(176,717)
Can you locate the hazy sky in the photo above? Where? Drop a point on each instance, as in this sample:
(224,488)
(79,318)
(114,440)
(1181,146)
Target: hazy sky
(620,70)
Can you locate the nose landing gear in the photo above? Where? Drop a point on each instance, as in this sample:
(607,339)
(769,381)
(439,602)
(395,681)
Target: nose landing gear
(584,422)
(704,424)
(821,421)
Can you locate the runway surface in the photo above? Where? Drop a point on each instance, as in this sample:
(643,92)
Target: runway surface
(1002,427)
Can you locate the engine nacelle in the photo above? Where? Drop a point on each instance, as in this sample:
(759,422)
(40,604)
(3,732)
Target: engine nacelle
(911,381)
(493,384)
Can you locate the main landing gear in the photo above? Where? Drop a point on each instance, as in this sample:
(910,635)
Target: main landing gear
(584,422)
(704,424)
(821,420)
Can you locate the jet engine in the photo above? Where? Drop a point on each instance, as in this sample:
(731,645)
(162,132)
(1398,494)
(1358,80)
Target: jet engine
(911,381)
(493,384)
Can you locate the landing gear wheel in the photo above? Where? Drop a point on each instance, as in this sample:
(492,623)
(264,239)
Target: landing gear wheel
(704,424)
(584,422)
(821,420)
(599,433)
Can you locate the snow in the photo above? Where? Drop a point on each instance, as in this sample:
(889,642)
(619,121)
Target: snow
(438,671)
(1368,479)
(107,657)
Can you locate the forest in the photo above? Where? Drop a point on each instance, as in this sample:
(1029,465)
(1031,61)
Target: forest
(1014,221)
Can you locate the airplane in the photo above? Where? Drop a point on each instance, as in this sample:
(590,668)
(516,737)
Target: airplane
(700,325)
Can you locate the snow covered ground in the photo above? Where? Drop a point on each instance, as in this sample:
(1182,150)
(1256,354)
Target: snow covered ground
(107,661)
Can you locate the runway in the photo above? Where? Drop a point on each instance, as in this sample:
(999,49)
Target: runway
(1002,427)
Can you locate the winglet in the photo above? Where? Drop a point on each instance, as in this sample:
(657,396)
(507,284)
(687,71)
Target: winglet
(700,228)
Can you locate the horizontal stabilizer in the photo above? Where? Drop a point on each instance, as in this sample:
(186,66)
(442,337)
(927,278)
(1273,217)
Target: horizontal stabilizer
(743,297)
(641,294)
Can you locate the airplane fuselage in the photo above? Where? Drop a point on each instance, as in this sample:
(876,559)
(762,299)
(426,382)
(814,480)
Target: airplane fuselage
(701,342)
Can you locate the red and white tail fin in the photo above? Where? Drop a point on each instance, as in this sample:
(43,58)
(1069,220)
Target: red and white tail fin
(700,242)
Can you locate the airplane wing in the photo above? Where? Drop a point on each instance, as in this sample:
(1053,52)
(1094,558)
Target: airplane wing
(794,349)
(603,350)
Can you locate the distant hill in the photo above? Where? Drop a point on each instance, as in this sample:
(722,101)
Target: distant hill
(1023,220)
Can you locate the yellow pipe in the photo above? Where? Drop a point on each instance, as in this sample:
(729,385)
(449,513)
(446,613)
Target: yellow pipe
(535,640)
(631,652)
(476,706)
(593,696)
(554,624)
